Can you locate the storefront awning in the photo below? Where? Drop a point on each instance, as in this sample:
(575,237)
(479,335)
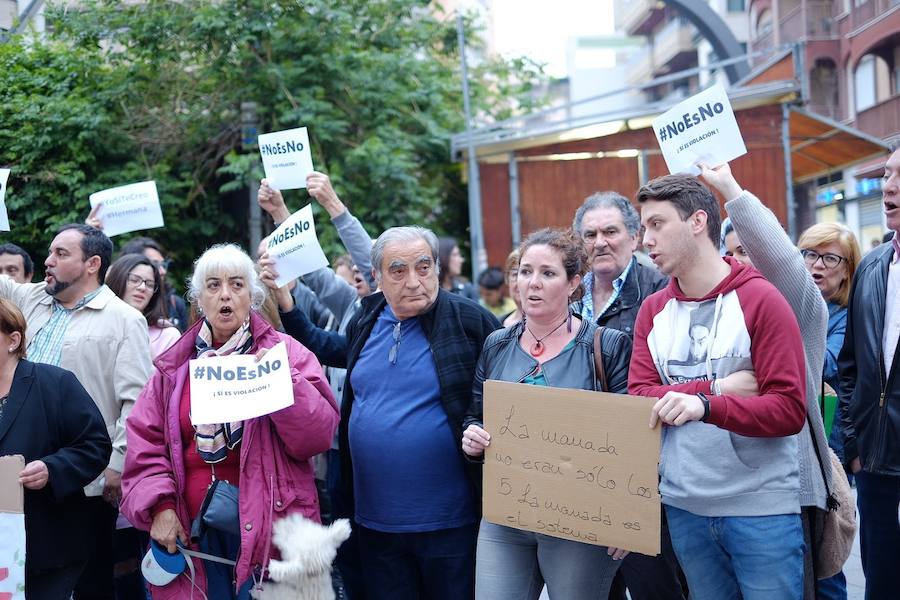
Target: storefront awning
(820,145)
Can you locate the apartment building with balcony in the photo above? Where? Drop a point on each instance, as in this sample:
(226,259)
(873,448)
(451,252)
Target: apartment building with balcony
(673,44)
(851,56)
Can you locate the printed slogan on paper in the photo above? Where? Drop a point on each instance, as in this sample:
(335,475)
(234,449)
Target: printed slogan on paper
(574,464)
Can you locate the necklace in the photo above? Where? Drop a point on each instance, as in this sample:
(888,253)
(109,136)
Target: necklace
(537,348)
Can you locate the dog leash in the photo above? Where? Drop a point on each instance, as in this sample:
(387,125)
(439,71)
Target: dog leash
(188,554)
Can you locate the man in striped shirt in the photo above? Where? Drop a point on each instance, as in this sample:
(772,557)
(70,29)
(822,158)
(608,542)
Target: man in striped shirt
(77,323)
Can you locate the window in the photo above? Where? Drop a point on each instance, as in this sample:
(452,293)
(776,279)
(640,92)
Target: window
(864,83)
(736,6)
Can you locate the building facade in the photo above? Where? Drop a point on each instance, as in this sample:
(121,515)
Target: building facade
(852,59)
(673,44)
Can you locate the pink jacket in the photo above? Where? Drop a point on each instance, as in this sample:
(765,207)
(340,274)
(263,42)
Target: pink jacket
(276,470)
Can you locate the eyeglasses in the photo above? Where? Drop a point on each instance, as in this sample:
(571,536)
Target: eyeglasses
(828,259)
(395,349)
(137,281)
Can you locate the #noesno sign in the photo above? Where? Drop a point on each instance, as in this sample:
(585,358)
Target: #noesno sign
(701,129)
(575,464)
(225,389)
(286,158)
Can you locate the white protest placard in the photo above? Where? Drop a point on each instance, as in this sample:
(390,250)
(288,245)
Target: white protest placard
(286,158)
(128,208)
(4,218)
(12,528)
(699,129)
(295,247)
(232,388)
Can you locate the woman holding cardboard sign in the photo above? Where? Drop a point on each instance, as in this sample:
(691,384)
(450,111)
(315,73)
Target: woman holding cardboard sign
(224,483)
(47,416)
(550,347)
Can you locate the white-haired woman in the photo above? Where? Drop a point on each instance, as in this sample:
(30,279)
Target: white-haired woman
(171,463)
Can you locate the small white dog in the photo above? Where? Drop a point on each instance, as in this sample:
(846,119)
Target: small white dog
(307,551)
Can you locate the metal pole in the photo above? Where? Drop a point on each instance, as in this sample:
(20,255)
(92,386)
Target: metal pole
(514,215)
(255,224)
(249,133)
(643,167)
(476,237)
(789,186)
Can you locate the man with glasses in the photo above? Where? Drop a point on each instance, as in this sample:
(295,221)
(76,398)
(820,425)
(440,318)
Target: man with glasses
(617,283)
(175,304)
(78,323)
(411,356)
(870,397)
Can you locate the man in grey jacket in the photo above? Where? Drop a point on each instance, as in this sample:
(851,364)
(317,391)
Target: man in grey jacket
(77,323)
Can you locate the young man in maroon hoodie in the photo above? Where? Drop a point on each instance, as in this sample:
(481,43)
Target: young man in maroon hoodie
(729,474)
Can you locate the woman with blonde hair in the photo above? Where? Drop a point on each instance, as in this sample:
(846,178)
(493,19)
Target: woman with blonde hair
(831,254)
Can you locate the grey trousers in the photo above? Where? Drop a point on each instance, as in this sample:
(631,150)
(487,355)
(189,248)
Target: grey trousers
(514,565)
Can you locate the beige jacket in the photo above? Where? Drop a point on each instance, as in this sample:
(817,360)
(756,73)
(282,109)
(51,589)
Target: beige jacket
(106,346)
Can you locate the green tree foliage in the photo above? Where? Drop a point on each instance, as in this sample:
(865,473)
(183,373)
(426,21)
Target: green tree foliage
(121,92)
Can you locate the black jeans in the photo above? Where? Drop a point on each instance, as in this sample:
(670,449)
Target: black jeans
(432,565)
(651,577)
(96,581)
(879,533)
(52,584)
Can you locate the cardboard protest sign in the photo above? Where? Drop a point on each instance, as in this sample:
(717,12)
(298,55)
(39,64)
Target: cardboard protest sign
(4,217)
(128,208)
(574,464)
(286,158)
(12,528)
(699,129)
(236,387)
(295,247)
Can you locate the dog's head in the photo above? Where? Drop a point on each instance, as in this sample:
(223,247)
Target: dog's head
(307,547)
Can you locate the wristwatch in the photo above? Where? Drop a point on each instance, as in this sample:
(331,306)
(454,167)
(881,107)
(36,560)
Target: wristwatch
(705,402)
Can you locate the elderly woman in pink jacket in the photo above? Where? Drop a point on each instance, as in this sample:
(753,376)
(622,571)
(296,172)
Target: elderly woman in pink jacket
(171,464)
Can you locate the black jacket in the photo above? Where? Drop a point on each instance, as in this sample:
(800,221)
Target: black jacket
(456,329)
(869,397)
(640,283)
(504,360)
(50,417)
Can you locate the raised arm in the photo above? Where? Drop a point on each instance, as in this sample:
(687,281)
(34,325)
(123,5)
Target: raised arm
(771,250)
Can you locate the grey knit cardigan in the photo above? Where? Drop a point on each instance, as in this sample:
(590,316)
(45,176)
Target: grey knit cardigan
(773,255)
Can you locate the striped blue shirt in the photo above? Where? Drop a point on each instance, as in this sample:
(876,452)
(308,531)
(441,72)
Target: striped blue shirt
(46,346)
(587,303)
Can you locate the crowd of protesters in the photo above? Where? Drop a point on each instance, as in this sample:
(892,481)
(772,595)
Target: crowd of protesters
(389,350)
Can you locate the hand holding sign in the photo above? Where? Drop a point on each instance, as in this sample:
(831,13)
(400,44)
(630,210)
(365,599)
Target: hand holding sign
(722,180)
(286,158)
(699,129)
(272,201)
(294,247)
